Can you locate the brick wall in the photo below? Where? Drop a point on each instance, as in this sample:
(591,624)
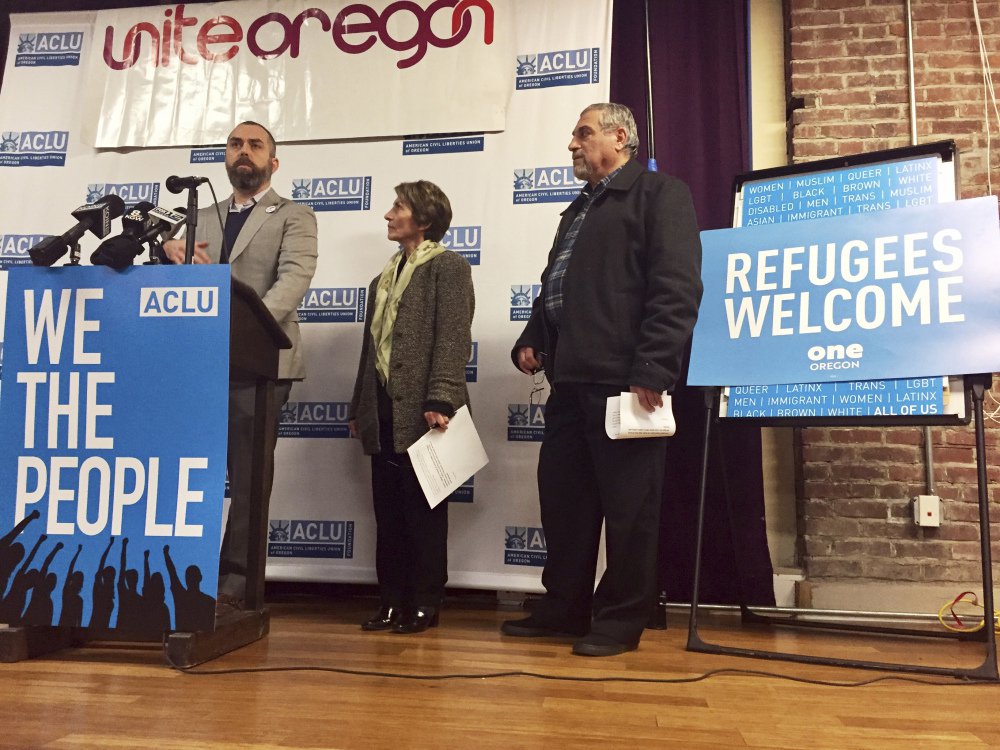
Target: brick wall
(847,61)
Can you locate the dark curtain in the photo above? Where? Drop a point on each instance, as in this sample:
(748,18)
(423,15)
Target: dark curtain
(701,116)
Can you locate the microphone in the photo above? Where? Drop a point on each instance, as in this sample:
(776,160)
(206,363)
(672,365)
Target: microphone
(177,184)
(164,223)
(119,252)
(93,217)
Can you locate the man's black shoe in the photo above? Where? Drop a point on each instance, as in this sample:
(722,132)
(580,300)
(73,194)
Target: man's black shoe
(529,627)
(595,644)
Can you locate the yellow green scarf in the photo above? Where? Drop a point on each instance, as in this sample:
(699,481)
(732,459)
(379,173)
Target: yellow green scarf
(387,295)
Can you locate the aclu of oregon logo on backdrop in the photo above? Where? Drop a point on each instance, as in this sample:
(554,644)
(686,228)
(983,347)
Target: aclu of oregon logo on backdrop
(522,297)
(333,193)
(472,366)
(130,192)
(314,419)
(545,185)
(334,539)
(416,145)
(33,148)
(466,241)
(524,545)
(48,49)
(14,248)
(211,155)
(342,304)
(525,423)
(465,493)
(570,67)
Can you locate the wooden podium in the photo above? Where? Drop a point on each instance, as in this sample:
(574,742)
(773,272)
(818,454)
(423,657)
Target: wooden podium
(255,339)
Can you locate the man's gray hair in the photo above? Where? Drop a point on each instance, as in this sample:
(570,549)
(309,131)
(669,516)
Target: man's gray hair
(614,116)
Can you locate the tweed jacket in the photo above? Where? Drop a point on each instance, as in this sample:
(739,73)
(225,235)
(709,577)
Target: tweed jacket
(632,288)
(431,343)
(275,254)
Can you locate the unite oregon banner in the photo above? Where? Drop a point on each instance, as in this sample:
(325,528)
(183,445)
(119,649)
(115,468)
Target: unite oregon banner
(314,69)
(506,188)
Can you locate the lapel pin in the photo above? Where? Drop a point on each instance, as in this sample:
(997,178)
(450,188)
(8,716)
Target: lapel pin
(270,209)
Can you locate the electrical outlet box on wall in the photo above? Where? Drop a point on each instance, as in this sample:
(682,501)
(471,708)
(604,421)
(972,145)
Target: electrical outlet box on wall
(927,510)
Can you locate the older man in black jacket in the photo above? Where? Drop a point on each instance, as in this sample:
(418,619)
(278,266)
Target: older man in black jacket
(619,300)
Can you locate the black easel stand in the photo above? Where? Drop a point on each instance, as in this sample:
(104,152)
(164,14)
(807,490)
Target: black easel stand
(976,385)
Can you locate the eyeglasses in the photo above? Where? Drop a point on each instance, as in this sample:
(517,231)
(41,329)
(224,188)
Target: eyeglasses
(537,387)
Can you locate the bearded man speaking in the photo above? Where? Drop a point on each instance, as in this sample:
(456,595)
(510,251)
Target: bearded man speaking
(270,242)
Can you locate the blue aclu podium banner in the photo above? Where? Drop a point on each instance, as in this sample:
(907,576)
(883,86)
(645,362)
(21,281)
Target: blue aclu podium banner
(113,446)
(890,294)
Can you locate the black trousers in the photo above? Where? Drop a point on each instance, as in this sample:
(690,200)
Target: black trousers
(411,552)
(585,478)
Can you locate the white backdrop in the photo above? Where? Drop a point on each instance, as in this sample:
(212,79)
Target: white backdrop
(507,190)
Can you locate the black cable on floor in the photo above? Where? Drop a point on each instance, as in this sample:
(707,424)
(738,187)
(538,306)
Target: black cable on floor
(561,678)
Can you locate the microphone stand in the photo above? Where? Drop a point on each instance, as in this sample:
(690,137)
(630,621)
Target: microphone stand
(74,254)
(155,249)
(192,224)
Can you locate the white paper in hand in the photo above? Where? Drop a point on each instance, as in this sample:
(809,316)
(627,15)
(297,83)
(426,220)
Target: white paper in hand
(444,459)
(624,418)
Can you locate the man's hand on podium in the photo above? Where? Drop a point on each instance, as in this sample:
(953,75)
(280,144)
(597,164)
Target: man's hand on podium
(175,250)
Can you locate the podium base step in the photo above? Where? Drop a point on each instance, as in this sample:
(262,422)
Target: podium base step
(235,630)
(18,644)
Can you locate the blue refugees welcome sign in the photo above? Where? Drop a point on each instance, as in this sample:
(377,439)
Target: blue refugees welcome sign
(890,294)
(113,446)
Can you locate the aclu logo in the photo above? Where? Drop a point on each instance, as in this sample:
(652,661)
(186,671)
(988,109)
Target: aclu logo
(524,545)
(464,494)
(33,148)
(48,49)
(130,192)
(525,423)
(14,249)
(522,298)
(332,539)
(545,185)
(213,155)
(314,419)
(333,193)
(570,67)
(178,302)
(466,241)
(334,305)
(472,366)
(416,145)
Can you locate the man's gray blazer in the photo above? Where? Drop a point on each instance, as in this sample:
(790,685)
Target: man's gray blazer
(275,254)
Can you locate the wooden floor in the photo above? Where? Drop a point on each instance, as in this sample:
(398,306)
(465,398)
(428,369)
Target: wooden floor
(114,696)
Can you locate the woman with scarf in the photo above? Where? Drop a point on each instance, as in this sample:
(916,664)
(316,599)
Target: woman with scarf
(411,378)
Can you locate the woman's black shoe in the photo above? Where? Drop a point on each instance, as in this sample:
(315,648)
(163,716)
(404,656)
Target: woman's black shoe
(387,617)
(416,620)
